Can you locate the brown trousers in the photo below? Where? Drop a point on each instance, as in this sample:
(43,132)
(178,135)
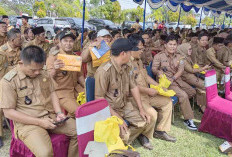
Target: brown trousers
(184,92)
(200,88)
(162,113)
(137,124)
(38,140)
(1,124)
(70,105)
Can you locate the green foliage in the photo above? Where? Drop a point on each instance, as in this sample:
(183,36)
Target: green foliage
(41,13)
(190,20)
(95,2)
(208,21)
(133,14)
(2,11)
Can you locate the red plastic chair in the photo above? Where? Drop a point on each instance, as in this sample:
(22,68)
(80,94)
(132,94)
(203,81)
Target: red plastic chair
(86,117)
(217,118)
(60,144)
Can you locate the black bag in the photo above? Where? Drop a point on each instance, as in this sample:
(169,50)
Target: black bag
(123,153)
(199,75)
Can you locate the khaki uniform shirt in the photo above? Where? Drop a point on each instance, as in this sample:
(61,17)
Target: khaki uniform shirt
(136,26)
(211,56)
(146,56)
(199,56)
(23,27)
(3,40)
(113,83)
(167,64)
(30,96)
(45,45)
(9,58)
(224,56)
(65,82)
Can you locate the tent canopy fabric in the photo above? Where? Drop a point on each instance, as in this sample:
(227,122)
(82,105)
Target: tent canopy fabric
(215,6)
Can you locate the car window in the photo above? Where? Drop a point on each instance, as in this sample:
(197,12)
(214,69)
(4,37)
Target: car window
(50,21)
(61,22)
(44,21)
(39,21)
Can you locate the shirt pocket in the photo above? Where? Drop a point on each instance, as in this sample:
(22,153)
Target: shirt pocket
(25,96)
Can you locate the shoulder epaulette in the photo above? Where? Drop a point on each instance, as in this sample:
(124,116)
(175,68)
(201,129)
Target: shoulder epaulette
(107,66)
(55,52)
(4,47)
(10,75)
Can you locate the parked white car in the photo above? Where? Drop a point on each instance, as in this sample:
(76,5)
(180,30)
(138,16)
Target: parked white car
(50,23)
(174,25)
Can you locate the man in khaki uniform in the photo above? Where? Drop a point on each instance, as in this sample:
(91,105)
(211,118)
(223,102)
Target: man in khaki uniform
(146,57)
(212,59)
(3,33)
(40,40)
(150,98)
(5,19)
(158,46)
(9,58)
(25,23)
(27,98)
(136,26)
(77,44)
(199,53)
(193,40)
(172,65)
(88,55)
(224,55)
(67,84)
(114,81)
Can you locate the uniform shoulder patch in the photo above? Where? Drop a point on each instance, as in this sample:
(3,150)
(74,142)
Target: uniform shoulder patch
(10,75)
(55,52)
(4,47)
(107,66)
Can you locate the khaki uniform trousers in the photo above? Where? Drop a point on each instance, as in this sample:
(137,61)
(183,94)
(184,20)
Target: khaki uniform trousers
(38,140)
(1,124)
(184,92)
(200,88)
(70,105)
(137,124)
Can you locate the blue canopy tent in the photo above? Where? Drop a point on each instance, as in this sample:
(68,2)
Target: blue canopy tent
(215,6)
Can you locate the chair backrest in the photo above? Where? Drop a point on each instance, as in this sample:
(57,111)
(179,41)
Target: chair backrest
(227,81)
(90,88)
(86,117)
(211,85)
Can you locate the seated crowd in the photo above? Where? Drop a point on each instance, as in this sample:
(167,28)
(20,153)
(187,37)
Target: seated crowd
(34,91)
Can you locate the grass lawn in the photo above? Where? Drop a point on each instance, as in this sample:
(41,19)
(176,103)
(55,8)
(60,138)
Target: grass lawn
(189,143)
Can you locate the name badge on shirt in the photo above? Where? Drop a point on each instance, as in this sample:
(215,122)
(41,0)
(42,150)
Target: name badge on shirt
(64,73)
(28,101)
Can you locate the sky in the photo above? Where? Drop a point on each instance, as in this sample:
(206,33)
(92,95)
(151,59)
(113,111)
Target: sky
(129,4)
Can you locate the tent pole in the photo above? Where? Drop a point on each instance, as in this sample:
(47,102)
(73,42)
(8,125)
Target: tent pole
(201,16)
(179,17)
(83,24)
(144,14)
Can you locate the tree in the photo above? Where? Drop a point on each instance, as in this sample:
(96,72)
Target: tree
(190,20)
(2,11)
(208,21)
(39,8)
(41,13)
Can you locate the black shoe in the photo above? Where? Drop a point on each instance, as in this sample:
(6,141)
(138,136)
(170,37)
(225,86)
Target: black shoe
(190,124)
(144,141)
(164,136)
(1,142)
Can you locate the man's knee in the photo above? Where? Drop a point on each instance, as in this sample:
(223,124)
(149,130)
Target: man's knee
(45,152)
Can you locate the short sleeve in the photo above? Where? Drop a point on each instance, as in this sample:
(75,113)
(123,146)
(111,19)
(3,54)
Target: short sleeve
(101,83)
(8,95)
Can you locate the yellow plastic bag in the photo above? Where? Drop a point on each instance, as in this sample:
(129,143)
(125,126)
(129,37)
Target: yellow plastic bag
(81,99)
(168,93)
(108,131)
(164,82)
(196,66)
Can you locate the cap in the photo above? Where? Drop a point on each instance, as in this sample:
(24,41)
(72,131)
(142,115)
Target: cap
(121,45)
(218,40)
(103,32)
(192,34)
(4,16)
(38,30)
(64,34)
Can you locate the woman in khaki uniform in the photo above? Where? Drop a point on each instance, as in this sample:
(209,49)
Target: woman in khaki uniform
(188,74)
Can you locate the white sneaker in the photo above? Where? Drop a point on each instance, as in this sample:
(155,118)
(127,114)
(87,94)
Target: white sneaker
(190,124)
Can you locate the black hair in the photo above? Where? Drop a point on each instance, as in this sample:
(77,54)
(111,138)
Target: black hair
(85,30)
(56,30)
(26,31)
(137,20)
(125,31)
(11,34)
(132,30)
(171,38)
(202,35)
(67,29)
(33,53)
(134,39)
(57,36)
(114,32)
(92,35)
